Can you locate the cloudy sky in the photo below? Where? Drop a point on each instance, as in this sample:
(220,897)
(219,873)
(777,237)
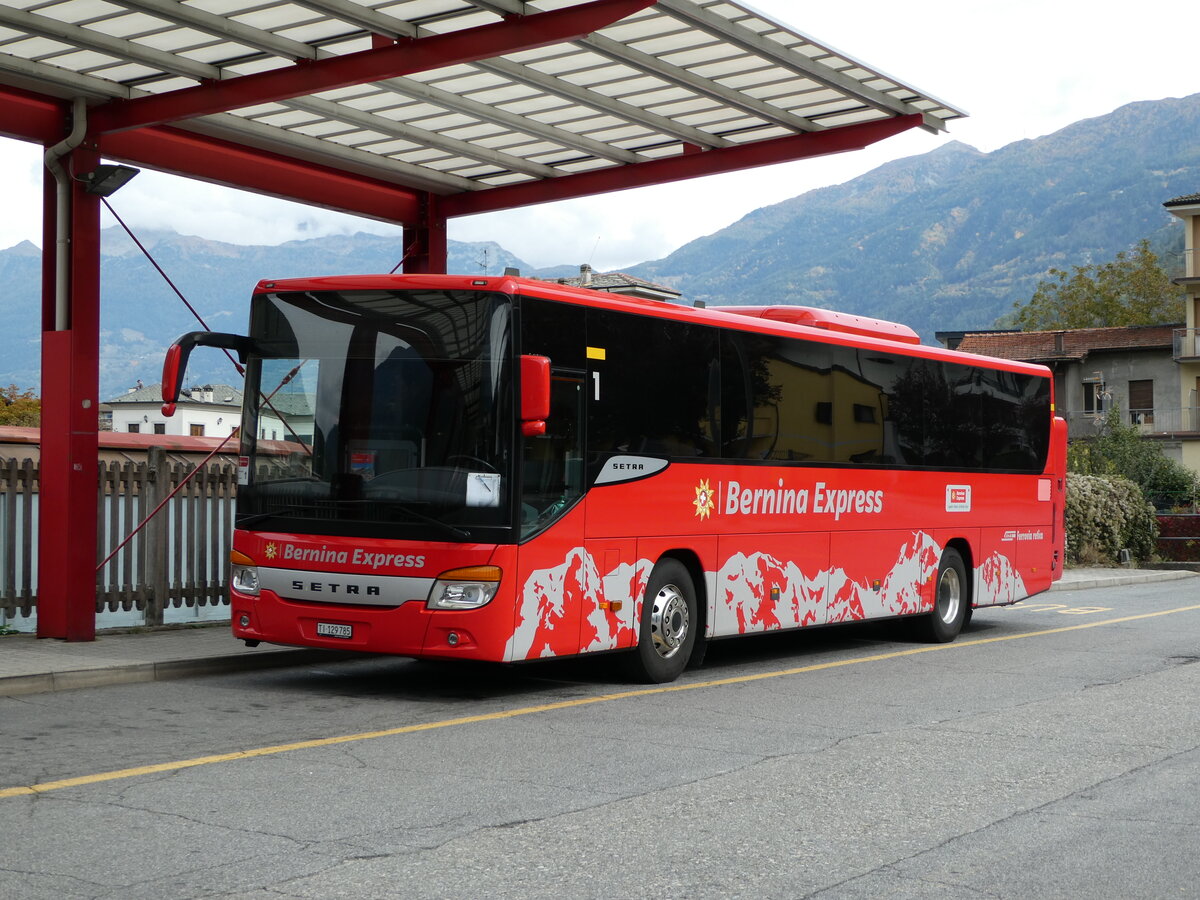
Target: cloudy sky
(1020,69)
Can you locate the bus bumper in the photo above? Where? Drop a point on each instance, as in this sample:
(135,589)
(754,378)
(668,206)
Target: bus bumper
(410,629)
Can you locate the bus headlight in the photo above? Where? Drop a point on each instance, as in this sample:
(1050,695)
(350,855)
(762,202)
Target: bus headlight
(468,588)
(244,576)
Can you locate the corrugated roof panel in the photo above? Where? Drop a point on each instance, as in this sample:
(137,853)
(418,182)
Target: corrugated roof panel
(166,84)
(506,179)
(756,133)
(485,134)
(392,147)
(289,118)
(279,16)
(131,25)
(123,73)
(37,47)
(554,158)
(256,64)
(585,165)
(355,136)
(172,40)
(80,60)
(322,128)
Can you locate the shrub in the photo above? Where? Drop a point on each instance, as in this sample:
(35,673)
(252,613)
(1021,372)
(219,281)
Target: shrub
(1104,515)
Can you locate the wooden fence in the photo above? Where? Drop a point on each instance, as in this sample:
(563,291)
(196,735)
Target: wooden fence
(180,558)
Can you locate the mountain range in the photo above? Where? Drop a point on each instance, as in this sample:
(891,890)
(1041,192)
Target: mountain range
(951,239)
(948,240)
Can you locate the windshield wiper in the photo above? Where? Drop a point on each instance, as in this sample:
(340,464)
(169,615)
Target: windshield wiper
(430,520)
(283,510)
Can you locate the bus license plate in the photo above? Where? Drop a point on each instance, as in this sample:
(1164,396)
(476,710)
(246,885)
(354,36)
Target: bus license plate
(328,629)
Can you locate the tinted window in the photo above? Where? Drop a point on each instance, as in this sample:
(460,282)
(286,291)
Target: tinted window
(655,390)
(556,330)
(777,399)
(1015,420)
(786,399)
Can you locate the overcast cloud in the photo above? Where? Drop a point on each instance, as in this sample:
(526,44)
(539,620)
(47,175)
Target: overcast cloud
(1019,69)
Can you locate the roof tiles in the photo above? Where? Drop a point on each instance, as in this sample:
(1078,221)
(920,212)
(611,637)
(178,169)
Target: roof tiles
(1074,344)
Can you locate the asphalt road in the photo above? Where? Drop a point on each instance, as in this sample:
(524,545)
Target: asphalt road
(1052,751)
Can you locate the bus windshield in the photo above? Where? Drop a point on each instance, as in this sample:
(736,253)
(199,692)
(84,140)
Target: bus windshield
(379,412)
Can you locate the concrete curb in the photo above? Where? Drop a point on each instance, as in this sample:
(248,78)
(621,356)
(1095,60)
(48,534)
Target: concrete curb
(163,670)
(1138,576)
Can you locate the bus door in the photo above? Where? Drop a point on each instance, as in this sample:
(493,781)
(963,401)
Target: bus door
(558,581)
(552,479)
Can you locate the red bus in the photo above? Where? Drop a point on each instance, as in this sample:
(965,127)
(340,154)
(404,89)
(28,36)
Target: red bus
(508,469)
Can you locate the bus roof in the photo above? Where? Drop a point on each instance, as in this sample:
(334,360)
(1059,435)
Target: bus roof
(824,326)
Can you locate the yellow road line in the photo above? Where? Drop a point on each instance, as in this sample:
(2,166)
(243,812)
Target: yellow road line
(158,768)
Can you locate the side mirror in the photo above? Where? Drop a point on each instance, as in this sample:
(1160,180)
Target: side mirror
(535,394)
(177,356)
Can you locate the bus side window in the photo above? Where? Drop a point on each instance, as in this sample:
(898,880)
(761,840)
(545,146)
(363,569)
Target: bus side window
(655,377)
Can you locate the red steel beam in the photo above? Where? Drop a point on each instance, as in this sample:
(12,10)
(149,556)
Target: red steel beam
(514,34)
(233,165)
(680,168)
(33,117)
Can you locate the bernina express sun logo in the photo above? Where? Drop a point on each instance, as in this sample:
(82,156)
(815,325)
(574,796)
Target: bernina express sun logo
(271,551)
(704,501)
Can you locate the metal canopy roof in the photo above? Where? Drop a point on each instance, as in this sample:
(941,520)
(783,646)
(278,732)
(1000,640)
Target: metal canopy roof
(488,104)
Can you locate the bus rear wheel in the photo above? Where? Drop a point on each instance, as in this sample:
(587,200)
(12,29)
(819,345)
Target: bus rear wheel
(667,631)
(950,603)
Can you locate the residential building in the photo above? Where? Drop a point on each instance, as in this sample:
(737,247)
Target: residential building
(621,283)
(213,410)
(1186,350)
(1095,369)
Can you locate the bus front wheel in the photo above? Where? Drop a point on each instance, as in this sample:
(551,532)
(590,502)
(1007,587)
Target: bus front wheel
(951,602)
(667,631)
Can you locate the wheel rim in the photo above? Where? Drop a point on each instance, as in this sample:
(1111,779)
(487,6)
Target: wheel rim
(949,595)
(669,621)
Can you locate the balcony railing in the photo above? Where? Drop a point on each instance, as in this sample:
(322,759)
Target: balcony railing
(1159,420)
(1186,344)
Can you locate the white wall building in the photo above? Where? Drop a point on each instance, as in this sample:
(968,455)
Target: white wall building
(213,410)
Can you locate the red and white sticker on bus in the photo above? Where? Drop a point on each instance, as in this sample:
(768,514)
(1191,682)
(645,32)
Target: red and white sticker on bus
(958,498)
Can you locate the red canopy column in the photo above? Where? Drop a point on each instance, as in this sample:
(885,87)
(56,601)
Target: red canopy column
(68,503)
(425,240)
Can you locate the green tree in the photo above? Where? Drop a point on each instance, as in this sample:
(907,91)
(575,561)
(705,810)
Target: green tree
(1120,451)
(18,407)
(1133,289)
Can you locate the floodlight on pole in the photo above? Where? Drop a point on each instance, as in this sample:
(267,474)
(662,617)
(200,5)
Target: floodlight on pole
(105,180)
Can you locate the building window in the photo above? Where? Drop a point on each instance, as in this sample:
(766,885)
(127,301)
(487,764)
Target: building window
(864,414)
(1095,397)
(134,428)
(196,430)
(160,427)
(1141,402)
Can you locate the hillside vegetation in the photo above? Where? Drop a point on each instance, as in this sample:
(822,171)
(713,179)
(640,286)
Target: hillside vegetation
(952,239)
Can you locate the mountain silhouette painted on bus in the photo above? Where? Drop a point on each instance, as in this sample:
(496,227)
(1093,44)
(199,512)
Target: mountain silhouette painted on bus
(609,605)
(758,593)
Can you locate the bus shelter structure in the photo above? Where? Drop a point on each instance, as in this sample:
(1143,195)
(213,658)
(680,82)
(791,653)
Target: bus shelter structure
(406,111)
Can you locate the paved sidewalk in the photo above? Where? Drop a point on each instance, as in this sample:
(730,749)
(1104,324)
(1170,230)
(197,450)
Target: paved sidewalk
(30,666)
